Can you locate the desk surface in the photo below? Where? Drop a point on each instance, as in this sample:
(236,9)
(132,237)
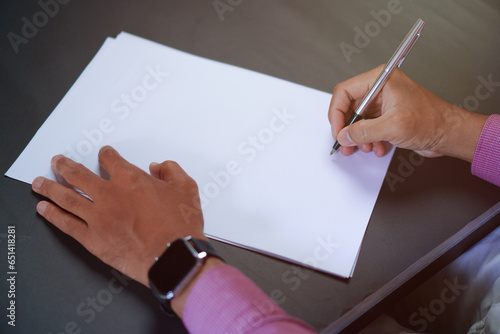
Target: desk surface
(60,286)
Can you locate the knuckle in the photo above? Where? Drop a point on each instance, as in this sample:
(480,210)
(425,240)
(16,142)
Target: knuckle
(358,132)
(339,88)
(362,135)
(70,173)
(68,168)
(192,183)
(377,70)
(60,219)
(170,164)
(128,173)
(66,224)
(173,171)
(68,199)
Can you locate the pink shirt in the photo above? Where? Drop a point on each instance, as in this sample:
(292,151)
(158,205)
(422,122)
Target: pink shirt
(486,162)
(226,301)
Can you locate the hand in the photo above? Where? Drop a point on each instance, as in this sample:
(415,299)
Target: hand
(131,217)
(404,114)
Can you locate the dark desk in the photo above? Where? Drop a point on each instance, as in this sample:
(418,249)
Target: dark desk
(60,287)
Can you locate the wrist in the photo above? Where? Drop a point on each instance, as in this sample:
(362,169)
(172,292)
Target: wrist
(462,131)
(176,271)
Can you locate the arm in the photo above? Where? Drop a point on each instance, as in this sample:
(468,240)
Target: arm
(244,308)
(131,218)
(406,115)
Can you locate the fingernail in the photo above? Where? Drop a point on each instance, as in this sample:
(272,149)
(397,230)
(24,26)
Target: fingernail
(104,148)
(41,207)
(344,138)
(54,159)
(37,183)
(154,172)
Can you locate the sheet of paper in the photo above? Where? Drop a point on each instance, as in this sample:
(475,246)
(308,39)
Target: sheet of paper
(257,146)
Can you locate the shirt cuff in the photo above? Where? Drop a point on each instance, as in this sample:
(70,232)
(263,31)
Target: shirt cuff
(224,300)
(486,160)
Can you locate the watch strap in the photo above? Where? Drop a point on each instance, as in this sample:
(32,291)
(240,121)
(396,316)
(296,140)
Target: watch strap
(204,246)
(200,246)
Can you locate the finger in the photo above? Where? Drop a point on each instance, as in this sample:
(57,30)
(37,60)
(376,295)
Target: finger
(379,149)
(168,170)
(64,221)
(345,94)
(366,148)
(366,131)
(76,174)
(346,150)
(154,170)
(111,160)
(66,198)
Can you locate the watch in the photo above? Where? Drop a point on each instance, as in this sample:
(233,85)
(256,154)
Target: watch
(176,267)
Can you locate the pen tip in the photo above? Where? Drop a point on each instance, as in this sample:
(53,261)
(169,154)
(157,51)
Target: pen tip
(334,150)
(335,147)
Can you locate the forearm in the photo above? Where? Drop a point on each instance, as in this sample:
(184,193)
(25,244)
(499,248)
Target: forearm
(223,300)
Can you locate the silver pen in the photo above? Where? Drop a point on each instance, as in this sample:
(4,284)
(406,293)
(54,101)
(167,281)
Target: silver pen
(396,60)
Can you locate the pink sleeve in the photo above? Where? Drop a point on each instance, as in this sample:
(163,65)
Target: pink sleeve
(486,161)
(224,300)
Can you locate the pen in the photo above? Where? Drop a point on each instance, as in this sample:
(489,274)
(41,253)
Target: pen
(396,60)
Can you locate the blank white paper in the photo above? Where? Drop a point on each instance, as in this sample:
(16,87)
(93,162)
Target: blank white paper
(257,146)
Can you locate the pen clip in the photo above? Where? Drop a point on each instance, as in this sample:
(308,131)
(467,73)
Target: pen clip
(409,49)
(419,26)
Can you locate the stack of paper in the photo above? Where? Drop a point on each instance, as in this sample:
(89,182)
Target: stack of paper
(257,146)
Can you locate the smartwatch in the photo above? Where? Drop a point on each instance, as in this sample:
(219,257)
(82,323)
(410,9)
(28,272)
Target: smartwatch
(176,267)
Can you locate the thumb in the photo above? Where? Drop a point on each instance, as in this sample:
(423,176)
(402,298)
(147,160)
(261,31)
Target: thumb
(155,170)
(363,132)
(168,170)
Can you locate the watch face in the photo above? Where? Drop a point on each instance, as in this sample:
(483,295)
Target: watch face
(172,267)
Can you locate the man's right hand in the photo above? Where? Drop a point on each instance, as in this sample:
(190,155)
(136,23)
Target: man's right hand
(404,114)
